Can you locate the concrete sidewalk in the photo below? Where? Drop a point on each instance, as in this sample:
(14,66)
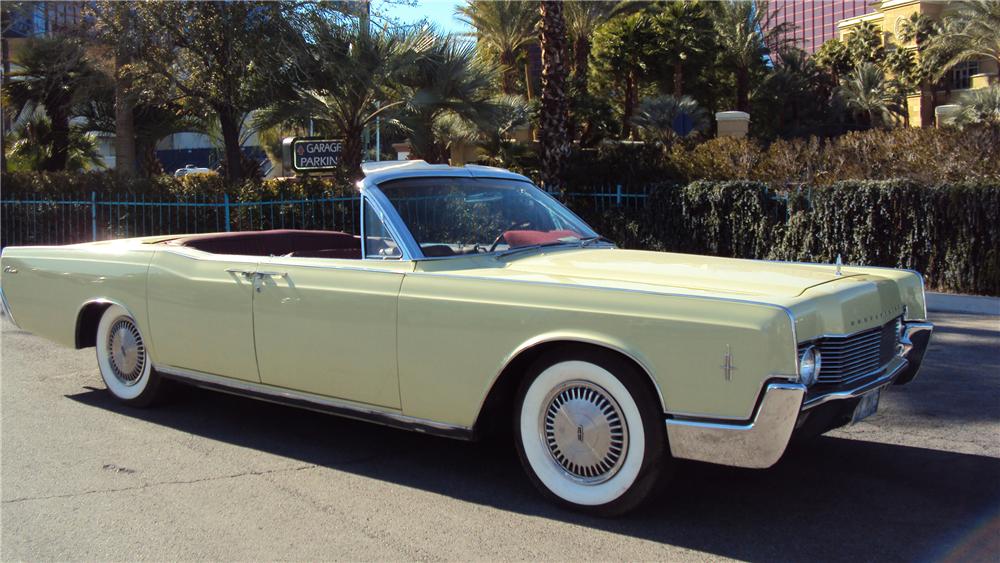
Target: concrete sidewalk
(968,304)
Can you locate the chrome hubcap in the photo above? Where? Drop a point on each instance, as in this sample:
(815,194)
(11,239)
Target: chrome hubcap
(585,432)
(127,352)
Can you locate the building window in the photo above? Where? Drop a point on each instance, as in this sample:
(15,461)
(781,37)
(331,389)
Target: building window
(961,75)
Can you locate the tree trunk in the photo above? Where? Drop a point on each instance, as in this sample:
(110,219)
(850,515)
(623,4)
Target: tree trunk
(6,124)
(60,141)
(629,106)
(125,160)
(351,157)
(678,80)
(509,85)
(230,123)
(581,63)
(150,165)
(743,90)
(554,137)
(927,107)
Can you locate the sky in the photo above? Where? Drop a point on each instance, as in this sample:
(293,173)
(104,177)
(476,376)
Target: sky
(440,13)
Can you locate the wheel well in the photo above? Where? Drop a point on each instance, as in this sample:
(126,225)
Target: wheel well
(86,323)
(494,417)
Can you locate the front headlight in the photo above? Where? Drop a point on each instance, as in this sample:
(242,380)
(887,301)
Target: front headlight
(809,365)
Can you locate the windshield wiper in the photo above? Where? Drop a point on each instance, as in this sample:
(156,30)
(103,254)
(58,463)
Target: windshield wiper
(587,241)
(581,243)
(510,251)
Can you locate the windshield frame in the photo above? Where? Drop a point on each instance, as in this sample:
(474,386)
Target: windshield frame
(413,251)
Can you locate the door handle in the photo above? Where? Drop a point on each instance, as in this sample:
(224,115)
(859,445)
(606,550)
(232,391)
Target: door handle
(274,274)
(245,273)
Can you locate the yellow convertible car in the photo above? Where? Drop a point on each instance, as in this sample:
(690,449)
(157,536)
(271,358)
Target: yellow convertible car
(472,300)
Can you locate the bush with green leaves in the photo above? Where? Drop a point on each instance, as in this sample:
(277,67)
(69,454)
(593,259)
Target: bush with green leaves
(946,231)
(945,228)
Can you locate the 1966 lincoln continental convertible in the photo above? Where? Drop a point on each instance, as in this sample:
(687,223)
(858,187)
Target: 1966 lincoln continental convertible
(470,300)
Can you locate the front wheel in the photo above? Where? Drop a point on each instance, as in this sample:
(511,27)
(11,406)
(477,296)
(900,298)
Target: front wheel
(123,359)
(590,433)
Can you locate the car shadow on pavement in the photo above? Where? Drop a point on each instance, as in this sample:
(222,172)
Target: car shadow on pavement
(831,499)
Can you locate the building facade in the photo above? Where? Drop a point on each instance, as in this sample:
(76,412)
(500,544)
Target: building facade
(888,16)
(813,22)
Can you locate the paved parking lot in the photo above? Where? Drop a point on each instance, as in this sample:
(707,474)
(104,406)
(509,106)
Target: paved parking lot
(212,476)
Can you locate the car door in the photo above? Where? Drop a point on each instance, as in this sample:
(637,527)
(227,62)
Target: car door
(328,327)
(201,312)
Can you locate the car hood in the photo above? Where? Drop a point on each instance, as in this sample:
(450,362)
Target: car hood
(689,272)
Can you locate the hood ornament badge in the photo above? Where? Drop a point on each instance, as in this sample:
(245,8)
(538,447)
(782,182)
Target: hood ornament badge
(839,264)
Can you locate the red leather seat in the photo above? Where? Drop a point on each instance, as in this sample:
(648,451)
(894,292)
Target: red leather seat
(528,238)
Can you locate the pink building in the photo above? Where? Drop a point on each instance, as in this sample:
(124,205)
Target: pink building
(814,21)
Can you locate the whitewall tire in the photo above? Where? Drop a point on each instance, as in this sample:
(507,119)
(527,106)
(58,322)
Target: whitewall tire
(123,358)
(589,432)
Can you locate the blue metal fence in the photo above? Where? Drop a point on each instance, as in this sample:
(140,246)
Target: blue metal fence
(26,219)
(29,220)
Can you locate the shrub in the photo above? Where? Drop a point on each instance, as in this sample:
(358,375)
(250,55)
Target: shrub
(948,232)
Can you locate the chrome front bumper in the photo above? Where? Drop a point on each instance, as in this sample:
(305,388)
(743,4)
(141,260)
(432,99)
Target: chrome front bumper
(760,442)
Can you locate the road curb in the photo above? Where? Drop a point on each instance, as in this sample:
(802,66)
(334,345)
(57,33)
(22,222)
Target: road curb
(967,304)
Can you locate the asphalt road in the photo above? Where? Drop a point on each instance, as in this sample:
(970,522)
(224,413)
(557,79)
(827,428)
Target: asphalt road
(212,476)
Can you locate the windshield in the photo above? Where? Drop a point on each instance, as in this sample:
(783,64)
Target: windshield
(456,216)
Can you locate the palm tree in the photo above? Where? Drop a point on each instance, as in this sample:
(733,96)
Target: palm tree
(622,55)
(926,69)
(554,129)
(797,94)
(495,126)
(684,32)
(151,121)
(981,105)
(504,28)
(582,20)
(665,118)
(445,80)
(54,74)
(973,32)
(743,30)
(865,93)
(29,146)
(116,29)
(343,77)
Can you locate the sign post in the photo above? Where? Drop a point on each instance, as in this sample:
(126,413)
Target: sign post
(309,154)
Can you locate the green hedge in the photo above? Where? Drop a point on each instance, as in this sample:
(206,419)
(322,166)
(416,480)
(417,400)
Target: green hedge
(947,232)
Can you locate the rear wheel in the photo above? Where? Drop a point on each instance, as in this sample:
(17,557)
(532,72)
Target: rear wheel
(123,359)
(589,433)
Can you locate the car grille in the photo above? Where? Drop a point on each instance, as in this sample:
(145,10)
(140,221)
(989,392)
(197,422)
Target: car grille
(844,359)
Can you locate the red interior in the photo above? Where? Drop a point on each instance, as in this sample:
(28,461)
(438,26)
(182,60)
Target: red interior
(528,238)
(284,242)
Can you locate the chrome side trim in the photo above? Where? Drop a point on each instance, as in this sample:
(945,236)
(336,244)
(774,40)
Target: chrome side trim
(275,261)
(318,403)
(757,444)
(5,308)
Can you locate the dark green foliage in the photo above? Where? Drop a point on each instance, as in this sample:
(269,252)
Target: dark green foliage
(947,232)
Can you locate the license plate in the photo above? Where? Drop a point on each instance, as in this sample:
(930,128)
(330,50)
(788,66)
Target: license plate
(866,406)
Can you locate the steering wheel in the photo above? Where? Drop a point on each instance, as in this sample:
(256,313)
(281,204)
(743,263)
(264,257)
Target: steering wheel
(513,224)
(496,242)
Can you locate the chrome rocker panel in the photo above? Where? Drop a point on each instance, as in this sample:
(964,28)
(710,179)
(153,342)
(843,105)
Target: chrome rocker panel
(761,442)
(313,402)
